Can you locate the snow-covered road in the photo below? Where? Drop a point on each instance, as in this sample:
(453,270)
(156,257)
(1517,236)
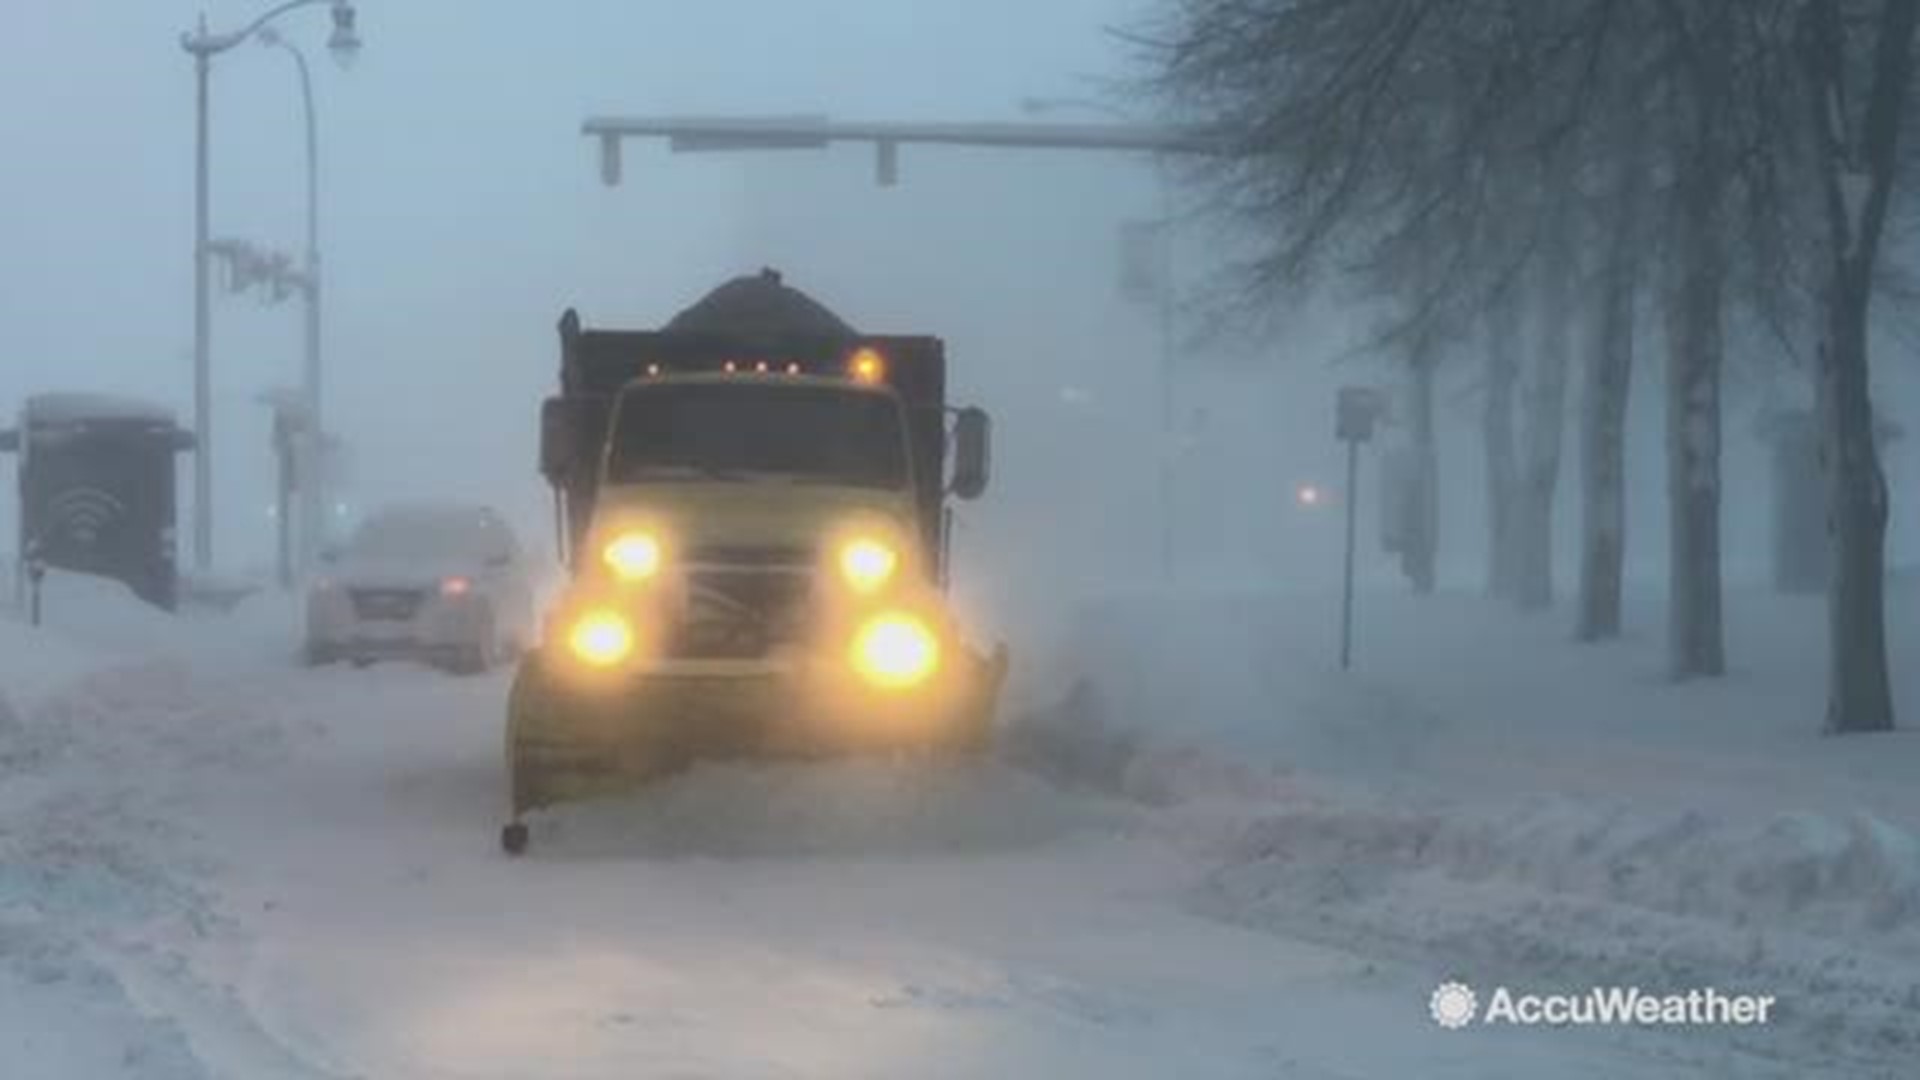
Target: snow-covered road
(863,919)
(215,863)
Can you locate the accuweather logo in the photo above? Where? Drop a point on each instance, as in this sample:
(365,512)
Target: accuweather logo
(1454,1005)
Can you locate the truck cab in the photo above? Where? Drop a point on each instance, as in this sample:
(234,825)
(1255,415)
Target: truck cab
(756,504)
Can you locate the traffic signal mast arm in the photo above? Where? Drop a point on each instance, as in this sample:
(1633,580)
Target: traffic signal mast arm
(693,134)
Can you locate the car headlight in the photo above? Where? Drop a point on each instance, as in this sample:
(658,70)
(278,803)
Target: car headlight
(601,638)
(633,556)
(867,564)
(895,651)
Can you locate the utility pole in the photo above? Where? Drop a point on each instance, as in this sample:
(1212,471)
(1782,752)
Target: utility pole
(203,46)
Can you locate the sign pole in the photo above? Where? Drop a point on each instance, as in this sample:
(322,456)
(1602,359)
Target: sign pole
(1357,409)
(1346,584)
(36,577)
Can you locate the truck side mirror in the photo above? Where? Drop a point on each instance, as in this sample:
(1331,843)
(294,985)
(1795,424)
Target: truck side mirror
(972,453)
(559,439)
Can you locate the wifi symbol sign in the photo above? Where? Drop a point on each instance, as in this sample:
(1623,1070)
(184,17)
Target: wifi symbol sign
(83,513)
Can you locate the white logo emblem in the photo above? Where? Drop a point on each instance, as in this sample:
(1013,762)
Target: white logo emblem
(1453,1005)
(84,513)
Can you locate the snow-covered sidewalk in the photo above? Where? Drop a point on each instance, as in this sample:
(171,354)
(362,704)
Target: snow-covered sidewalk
(1486,797)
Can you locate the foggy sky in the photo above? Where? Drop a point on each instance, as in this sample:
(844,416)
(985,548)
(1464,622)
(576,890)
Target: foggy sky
(462,212)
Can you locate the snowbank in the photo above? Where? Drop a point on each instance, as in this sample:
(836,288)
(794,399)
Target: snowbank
(1822,913)
(1487,797)
(101,898)
(87,621)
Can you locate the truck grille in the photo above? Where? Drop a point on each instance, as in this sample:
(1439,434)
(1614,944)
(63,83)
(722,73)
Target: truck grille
(740,613)
(392,605)
(740,556)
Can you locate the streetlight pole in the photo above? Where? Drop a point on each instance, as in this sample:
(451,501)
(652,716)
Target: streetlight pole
(203,46)
(202,325)
(1164,295)
(313,442)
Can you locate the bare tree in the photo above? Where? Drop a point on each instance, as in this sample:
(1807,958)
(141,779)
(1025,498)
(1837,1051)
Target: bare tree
(1354,124)
(1532,501)
(1607,378)
(1859,76)
(1421,555)
(1497,438)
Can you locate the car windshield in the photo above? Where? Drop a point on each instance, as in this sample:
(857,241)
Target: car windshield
(419,533)
(732,431)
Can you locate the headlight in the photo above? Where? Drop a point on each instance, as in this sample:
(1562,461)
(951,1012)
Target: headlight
(601,638)
(868,564)
(895,651)
(633,556)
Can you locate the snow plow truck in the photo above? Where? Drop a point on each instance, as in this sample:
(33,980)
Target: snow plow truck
(755,503)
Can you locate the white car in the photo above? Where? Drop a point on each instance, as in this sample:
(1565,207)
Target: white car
(444,583)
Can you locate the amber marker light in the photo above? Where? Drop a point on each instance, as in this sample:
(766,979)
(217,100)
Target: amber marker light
(867,366)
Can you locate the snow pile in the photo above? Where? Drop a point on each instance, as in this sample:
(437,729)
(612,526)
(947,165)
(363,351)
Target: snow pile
(101,898)
(62,1014)
(846,808)
(1491,800)
(1823,913)
(1542,892)
(1847,878)
(87,619)
(67,878)
(103,613)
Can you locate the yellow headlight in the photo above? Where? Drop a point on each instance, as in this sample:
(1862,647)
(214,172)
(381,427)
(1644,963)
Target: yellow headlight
(895,651)
(868,564)
(601,638)
(633,556)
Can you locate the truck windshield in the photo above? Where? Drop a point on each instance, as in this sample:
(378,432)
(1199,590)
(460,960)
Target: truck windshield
(742,430)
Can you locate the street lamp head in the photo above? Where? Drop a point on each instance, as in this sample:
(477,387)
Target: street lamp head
(344,42)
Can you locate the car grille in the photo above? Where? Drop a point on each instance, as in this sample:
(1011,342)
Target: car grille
(742,612)
(393,605)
